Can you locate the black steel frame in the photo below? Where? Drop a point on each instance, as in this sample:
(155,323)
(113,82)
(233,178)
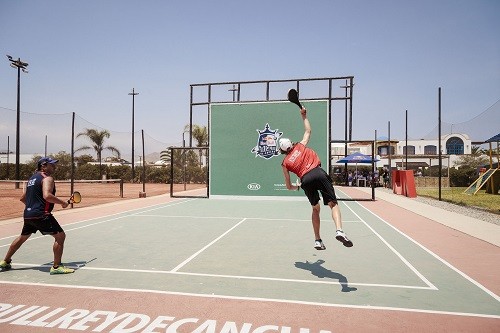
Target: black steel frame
(344,84)
(373,169)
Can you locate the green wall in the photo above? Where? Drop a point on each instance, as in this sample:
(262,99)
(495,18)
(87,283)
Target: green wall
(239,165)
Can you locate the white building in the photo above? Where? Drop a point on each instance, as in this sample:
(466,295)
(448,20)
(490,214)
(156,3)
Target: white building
(421,153)
(23,158)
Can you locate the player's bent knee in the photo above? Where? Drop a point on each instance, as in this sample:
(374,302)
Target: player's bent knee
(60,237)
(332,203)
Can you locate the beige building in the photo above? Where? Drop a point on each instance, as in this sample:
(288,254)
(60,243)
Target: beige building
(421,153)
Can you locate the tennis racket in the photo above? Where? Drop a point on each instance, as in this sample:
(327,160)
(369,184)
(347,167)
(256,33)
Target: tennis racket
(76,197)
(293,96)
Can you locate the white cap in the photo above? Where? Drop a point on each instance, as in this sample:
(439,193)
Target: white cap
(285,144)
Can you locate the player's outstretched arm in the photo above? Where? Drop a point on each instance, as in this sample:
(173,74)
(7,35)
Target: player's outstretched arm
(307,127)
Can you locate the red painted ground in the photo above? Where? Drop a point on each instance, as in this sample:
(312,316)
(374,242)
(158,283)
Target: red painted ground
(178,313)
(202,311)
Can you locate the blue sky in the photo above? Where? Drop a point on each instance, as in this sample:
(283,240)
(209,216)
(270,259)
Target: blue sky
(86,56)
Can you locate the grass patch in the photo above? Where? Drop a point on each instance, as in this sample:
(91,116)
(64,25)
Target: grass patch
(457,196)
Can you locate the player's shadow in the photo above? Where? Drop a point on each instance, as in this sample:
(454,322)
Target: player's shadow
(46,267)
(318,270)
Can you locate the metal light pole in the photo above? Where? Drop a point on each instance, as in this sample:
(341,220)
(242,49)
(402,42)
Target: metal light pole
(234,90)
(8,154)
(390,151)
(184,158)
(133,93)
(440,153)
(406,141)
(143,165)
(347,86)
(20,65)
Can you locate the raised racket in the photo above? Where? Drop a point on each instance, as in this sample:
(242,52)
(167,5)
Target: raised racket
(76,197)
(293,96)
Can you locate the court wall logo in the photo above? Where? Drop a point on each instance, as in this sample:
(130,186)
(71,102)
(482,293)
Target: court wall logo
(253,187)
(267,143)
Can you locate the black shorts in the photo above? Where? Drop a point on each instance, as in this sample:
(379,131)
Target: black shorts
(47,225)
(318,180)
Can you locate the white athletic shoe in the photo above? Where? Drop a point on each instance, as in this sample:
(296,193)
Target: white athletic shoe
(318,245)
(341,237)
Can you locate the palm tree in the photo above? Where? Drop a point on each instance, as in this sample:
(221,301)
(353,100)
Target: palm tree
(200,134)
(476,150)
(97,139)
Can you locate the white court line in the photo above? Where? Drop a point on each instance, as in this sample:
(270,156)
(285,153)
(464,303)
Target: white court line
(239,277)
(206,247)
(156,207)
(430,287)
(260,299)
(230,218)
(268,300)
(406,262)
(134,214)
(477,284)
(141,213)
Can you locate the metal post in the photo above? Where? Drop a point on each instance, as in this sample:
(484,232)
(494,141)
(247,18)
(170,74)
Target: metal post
(143,165)
(133,93)
(172,166)
(375,153)
(8,155)
(345,132)
(191,111)
(184,160)
(45,145)
(406,142)
(390,153)
(330,87)
(18,126)
(351,86)
(20,65)
(72,155)
(234,90)
(439,140)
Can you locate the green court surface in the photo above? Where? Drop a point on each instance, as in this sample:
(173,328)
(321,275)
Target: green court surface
(256,249)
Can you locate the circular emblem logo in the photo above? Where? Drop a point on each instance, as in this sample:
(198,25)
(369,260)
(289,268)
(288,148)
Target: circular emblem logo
(253,186)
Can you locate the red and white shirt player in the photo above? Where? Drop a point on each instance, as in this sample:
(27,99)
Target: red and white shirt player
(301,159)
(305,163)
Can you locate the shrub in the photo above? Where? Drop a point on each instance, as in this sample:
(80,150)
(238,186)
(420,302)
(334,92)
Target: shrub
(87,172)
(463,176)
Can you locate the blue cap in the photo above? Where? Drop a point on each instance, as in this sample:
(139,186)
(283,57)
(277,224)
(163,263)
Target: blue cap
(45,160)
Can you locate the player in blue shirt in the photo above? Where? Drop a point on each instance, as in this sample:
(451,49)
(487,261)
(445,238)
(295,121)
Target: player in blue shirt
(39,200)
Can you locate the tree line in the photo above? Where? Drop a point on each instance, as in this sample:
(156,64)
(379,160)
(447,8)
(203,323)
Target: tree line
(188,165)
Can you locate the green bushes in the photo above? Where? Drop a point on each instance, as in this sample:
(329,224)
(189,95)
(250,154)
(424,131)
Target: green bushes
(154,174)
(87,172)
(463,176)
(188,163)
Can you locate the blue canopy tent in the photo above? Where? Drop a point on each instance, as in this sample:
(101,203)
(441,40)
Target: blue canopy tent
(495,138)
(357,158)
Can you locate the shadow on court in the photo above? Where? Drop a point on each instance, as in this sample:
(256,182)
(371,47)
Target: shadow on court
(321,272)
(46,267)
